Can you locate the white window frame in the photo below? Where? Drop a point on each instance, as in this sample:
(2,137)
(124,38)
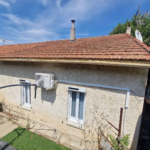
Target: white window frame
(75,119)
(25,99)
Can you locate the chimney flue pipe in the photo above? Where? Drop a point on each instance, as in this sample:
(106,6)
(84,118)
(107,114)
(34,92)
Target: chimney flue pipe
(72,32)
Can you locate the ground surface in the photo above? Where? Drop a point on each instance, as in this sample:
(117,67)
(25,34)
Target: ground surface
(6,126)
(25,140)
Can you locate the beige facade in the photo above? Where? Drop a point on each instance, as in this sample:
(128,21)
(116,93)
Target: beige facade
(51,106)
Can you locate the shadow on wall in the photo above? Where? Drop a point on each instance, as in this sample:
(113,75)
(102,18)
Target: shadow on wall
(144,138)
(48,95)
(136,134)
(78,73)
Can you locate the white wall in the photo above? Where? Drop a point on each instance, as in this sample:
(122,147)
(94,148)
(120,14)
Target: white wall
(51,106)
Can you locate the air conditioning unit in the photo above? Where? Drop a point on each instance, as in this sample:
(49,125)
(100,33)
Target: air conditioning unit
(44,80)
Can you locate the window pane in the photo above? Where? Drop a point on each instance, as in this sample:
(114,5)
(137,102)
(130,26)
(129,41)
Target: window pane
(22,95)
(26,92)
(81,105)
(73,108)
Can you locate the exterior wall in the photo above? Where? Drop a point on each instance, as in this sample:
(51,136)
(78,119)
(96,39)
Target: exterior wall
(51,106)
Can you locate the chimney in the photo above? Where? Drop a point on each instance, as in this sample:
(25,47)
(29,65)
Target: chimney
(128,30)
(72,32)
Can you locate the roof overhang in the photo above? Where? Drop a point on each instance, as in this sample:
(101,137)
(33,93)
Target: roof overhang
(126,63)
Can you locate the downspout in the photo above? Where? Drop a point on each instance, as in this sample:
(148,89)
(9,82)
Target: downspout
(126,107)
(106,87)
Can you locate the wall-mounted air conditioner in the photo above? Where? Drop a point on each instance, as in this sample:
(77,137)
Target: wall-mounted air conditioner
(44,80)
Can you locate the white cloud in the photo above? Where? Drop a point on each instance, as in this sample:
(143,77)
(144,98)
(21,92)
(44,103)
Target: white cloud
(39,32)
(54,18)
(13,1)
(4,3)
(79,10)
(30,36)
(58,15)
(79,34)
(44,2)
(15,19)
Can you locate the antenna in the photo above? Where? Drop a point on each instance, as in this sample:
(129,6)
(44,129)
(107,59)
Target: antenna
(6,40)
(140,16)
(140,20)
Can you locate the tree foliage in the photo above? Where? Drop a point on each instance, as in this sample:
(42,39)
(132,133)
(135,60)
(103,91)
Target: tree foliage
(144,28)
(120,143)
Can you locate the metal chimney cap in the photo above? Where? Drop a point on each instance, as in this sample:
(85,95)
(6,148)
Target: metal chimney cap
(73,21)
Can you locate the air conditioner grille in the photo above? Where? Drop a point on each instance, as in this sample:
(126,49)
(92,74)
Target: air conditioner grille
(39,80)
(44,80)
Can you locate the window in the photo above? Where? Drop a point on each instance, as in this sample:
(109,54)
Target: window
(76,105)
(25,94)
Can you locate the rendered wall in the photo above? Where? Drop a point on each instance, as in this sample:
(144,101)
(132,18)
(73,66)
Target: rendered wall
(51,106)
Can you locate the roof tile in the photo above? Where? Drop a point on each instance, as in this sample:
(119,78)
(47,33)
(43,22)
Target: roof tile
(112,47)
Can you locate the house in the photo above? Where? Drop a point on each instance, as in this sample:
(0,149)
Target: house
(110,72)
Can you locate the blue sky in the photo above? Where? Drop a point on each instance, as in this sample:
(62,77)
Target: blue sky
(28,21)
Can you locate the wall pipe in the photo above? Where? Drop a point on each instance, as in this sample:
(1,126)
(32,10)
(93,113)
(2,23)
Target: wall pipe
(21,85)
(105,87)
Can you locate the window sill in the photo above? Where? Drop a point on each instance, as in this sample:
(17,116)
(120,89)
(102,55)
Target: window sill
(75,125)
(26,108)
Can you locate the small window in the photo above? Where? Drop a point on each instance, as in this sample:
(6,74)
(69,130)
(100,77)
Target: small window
(25,94)
(76,105)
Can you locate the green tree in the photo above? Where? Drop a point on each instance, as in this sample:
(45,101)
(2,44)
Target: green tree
(144,28)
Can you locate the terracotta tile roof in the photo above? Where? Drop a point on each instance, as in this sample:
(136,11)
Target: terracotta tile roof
(112,47)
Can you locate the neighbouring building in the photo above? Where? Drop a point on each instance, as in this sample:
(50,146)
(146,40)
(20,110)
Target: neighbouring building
(110,72)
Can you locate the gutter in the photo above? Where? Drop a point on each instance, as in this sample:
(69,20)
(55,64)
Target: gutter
(126,63)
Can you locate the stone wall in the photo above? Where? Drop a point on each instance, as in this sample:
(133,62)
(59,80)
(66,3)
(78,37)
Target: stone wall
(52,106)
